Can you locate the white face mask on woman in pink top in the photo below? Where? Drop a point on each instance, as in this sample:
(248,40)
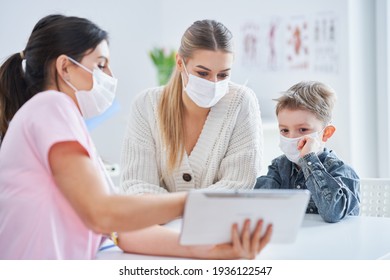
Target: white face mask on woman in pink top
(100,97)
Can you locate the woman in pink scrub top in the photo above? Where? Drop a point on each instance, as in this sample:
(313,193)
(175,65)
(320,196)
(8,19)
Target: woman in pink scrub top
(55,200)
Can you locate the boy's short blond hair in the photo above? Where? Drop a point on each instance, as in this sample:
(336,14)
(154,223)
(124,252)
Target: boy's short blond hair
(311,96)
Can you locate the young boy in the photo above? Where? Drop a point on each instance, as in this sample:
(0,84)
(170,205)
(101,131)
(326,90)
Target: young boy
(304,115)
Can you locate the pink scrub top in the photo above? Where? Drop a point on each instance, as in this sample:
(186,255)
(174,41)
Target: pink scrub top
(36,220)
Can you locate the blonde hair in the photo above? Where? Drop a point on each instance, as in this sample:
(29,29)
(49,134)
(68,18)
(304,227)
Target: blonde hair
(311,96)
(201,35)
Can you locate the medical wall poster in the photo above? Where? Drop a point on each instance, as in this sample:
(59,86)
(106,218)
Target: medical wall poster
(274,40)
(325,43)
(251,46)
(262,45)
(297,43)
(291,43)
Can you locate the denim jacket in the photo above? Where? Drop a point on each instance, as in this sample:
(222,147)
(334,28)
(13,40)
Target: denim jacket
(334,186)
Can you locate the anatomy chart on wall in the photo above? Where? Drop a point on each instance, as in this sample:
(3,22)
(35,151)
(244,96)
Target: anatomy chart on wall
(274,49)
(291,43)
(297,41)
(261,45)
(251,45)
(325,43)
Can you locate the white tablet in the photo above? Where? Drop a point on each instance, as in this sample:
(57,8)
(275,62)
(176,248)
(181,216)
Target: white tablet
(209,215)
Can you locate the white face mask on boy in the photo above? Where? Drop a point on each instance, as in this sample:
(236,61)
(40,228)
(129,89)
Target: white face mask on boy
(100,97)
(289,146)
(204,93)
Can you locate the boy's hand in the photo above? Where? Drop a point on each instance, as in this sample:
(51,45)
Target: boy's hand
(308,145)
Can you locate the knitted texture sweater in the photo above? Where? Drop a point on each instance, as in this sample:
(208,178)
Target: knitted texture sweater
(227,154)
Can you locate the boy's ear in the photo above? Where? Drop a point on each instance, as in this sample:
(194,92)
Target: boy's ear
(328,132)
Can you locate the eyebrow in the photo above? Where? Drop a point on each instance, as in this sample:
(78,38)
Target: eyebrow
(103,57)
(207,69)
(295,125)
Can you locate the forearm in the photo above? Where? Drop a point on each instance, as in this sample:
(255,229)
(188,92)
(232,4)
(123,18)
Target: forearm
(158,240)
(155,240)
(125,213)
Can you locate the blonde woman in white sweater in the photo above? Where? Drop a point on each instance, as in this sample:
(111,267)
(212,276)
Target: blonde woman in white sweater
(198,131)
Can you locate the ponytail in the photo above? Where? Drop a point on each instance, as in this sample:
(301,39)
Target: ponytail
(13,90)
(170,112)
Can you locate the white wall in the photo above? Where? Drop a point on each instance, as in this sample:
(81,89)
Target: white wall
(137,26)
(383,85)
(362,92)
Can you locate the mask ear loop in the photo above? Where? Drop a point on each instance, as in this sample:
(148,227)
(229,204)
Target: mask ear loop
(79,64)
(188,76)
(185,68)
(70,85)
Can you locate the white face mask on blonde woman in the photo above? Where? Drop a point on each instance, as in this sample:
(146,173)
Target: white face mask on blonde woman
(205,93)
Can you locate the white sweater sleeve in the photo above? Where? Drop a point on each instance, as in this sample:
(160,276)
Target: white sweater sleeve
(138,159)
(242,163)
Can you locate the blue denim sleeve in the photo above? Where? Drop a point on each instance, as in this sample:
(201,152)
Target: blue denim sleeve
(334,187)
(270,181)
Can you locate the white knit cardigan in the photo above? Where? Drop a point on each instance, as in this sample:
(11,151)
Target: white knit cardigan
(227,154)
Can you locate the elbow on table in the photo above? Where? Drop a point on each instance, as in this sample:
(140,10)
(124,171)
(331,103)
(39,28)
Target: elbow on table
(331,216)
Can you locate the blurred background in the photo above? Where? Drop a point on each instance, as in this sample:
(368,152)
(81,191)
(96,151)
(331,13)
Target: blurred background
(343,43)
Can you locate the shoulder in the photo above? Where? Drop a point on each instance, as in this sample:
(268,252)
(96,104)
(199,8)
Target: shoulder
(52,116)
(244,93)
(332,162)
(51,99)
(145,103)
(281,160)
(241,98)
(148,96)
(329,158)
(50,104)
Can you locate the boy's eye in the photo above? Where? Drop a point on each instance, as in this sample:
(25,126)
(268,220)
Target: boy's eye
(303,130)
(284,131)
(202,74)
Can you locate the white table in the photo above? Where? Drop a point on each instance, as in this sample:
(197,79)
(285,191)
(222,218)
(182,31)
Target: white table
(354,238)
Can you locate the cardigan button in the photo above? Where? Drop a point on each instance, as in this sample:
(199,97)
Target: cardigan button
(187,177)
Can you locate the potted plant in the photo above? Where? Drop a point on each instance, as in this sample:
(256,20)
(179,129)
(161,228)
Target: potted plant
(164,61)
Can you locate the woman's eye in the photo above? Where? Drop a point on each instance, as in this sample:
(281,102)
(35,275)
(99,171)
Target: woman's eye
(223,75)
(202,74)
(101,67)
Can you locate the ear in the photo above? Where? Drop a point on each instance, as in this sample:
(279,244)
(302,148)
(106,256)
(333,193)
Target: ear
(62,65)
(179,62)
(328,132)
